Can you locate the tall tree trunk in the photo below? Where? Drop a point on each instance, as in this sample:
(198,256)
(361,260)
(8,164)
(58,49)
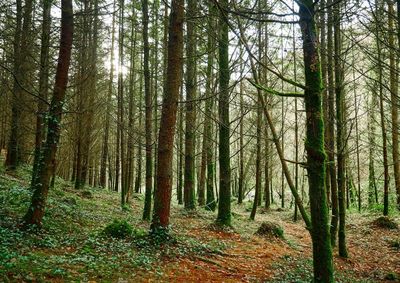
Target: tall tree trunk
(378,13)
(356,107)
(322,251)
(148,112)
(179,189)
(121,110)
(394,82)
(40,185)
(43,84)
(21,53)
(372,187)
(156,7)
(224,201)
(131,108)
(162,195)
(208,123)
(341,131)
(258,160)
(188,191)
(207,152)
(325,94)
(138,181)
(331,165)
(241,144)
(104,153)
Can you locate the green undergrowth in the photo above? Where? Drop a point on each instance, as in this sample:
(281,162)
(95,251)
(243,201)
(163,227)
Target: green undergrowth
(300,270)
(83,238)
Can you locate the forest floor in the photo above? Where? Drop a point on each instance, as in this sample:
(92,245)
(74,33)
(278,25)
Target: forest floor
(71,245)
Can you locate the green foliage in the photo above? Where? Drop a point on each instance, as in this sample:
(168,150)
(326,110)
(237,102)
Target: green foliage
(391,276)
(87,194)
(270,229)
(299,270)
(395,244)
(120,229)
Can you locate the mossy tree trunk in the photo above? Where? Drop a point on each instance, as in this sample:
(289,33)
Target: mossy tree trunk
(40,185)
(322,251)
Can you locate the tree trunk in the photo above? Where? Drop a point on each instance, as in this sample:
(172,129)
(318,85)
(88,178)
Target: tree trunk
(43,85)
(121,104)
(104,154)
(162,195)
(378,13)
(22,31)
(331,166)
(40,185)
(138,181)
(322,252)
(188,191)
(341,131)
(148,112)
(394,81)
(224,201)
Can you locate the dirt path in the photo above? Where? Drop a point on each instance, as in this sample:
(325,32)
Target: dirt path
(250,258)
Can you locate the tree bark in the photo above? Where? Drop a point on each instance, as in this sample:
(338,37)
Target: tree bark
(36,210)
(148,112)
(190,140)
(162,195)
(224,201)
(43,84)
(322,252)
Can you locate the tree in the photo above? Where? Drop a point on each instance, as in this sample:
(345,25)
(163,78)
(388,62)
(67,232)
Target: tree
(394,81)
(162,194)
(22,49)
(322,251)
(224,201)
(148,112)
(43,84)
(341,131)
(190,140)
(105,148)
(40,184)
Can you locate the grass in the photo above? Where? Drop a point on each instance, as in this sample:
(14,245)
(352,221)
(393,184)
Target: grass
(72,244)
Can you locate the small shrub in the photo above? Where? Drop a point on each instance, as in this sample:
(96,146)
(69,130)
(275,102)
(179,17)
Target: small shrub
(391,276)
(70,201)
(161,236)
(118,229)
(87,194)
(385,222)
(126,208)
(395,244)
(270,229)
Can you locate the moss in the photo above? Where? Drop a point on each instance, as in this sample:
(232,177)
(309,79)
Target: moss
(120,229)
